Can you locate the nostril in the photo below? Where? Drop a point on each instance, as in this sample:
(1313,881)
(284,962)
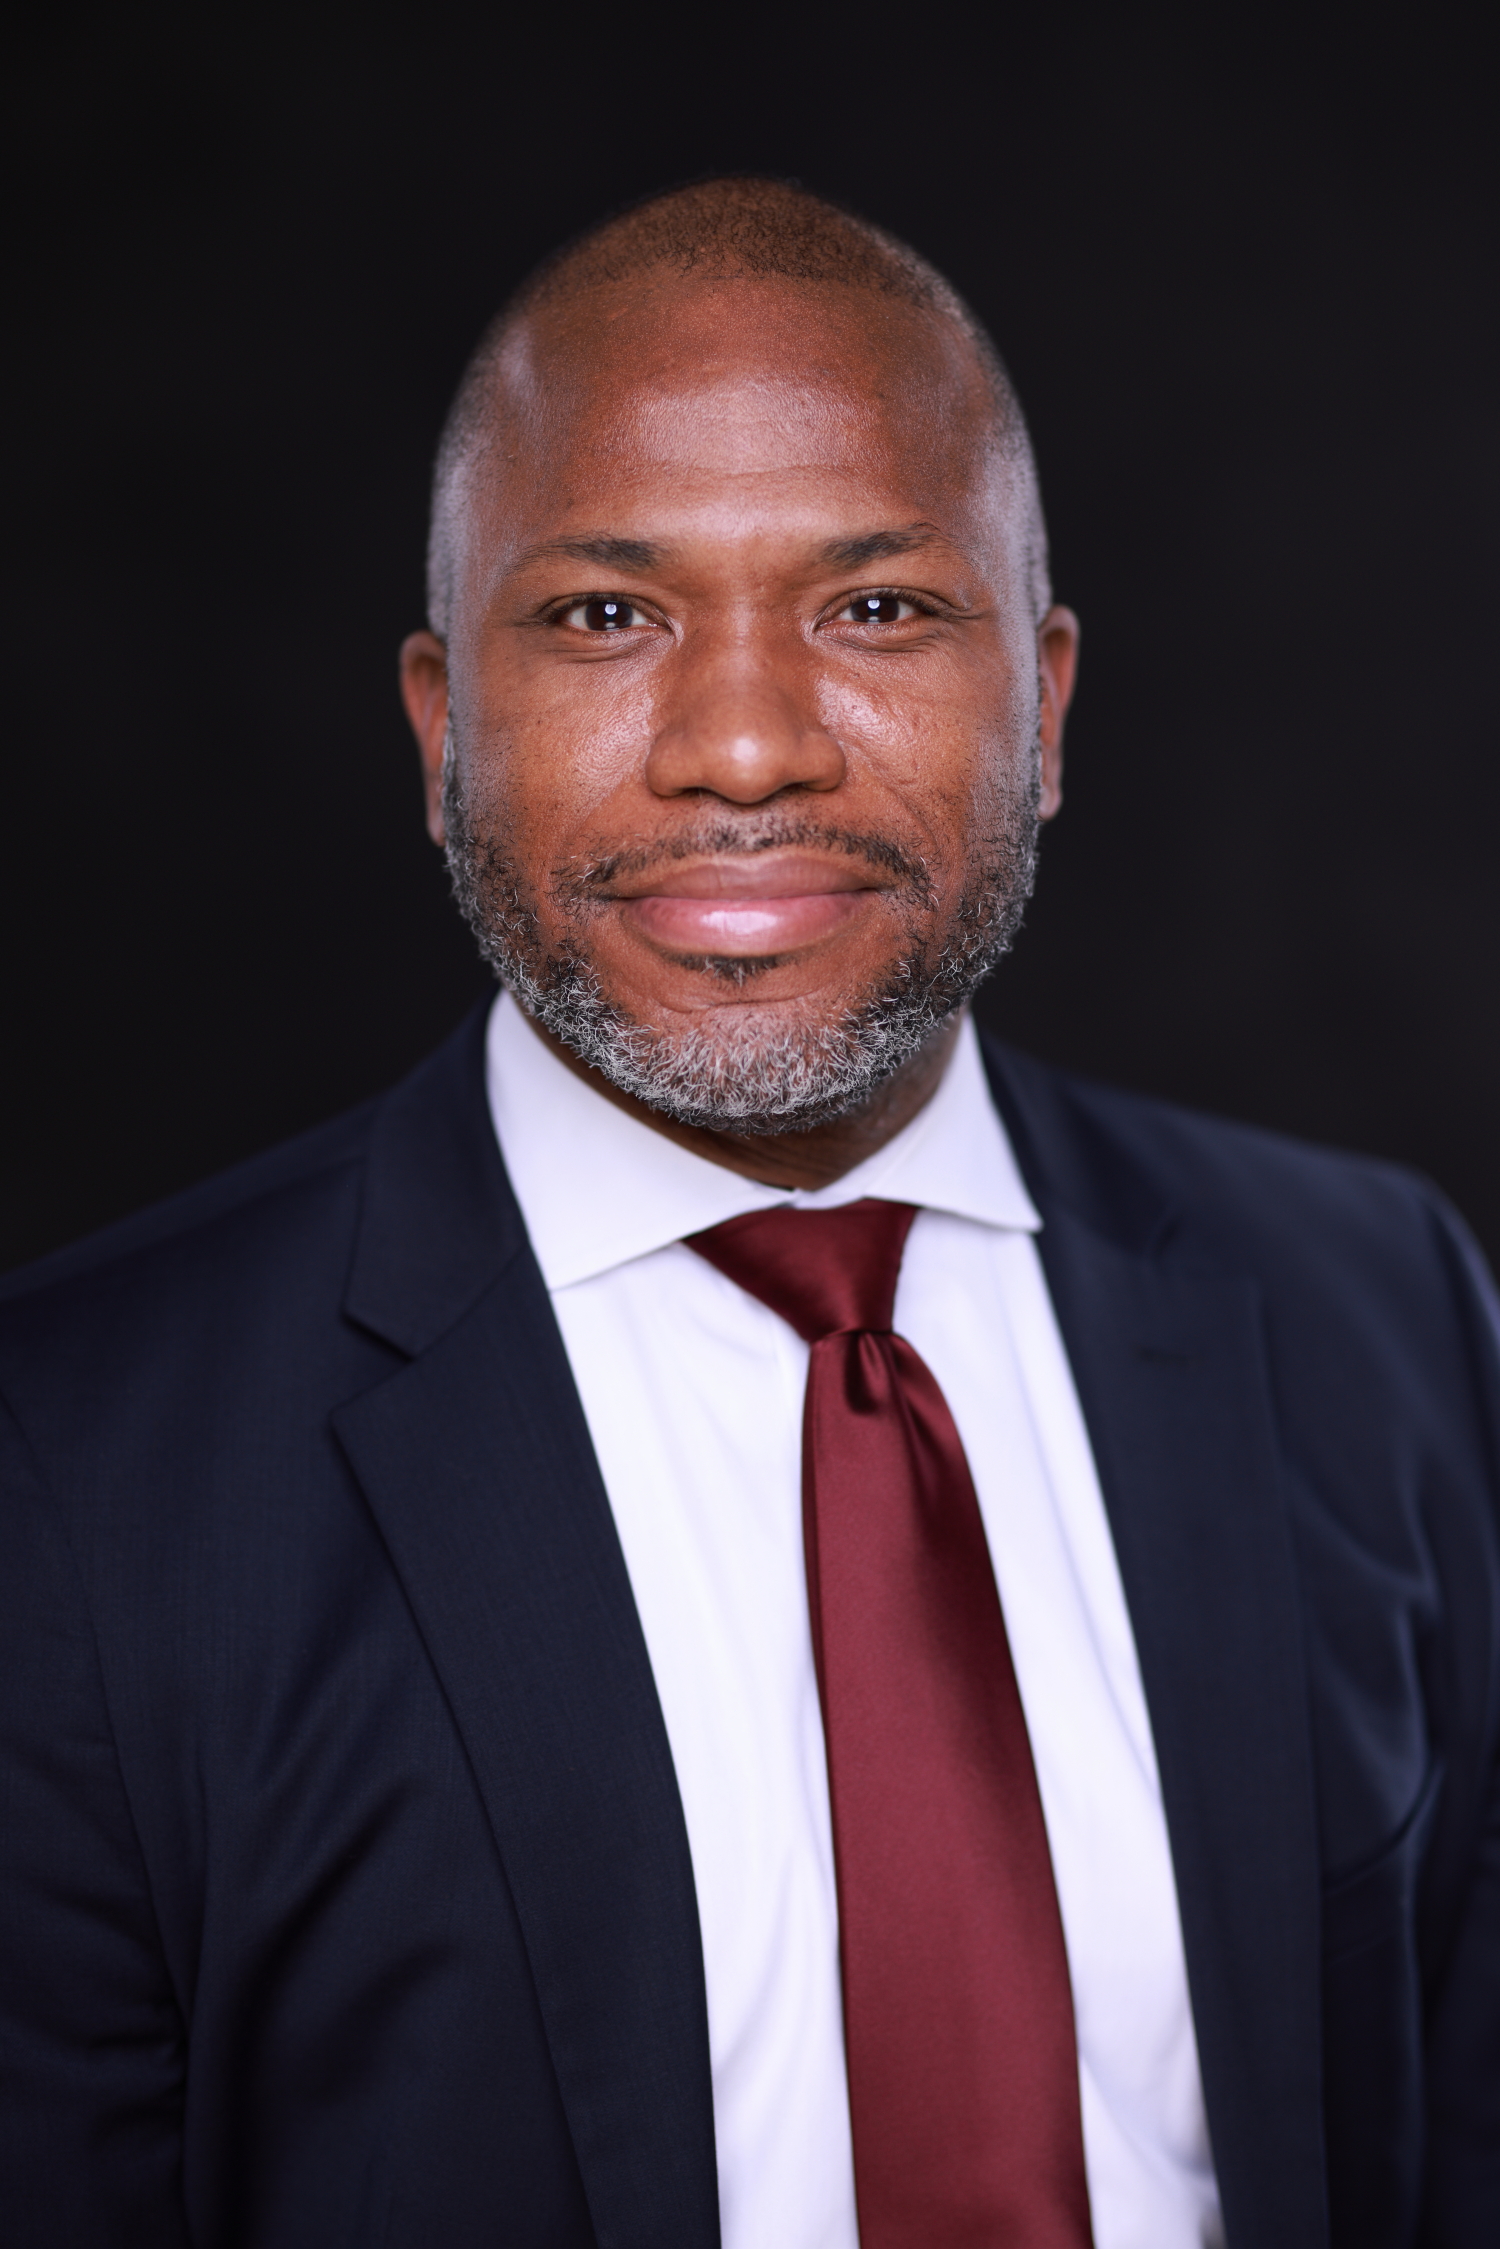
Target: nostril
(744,761)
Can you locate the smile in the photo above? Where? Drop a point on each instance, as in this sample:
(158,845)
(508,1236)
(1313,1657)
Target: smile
(771,903)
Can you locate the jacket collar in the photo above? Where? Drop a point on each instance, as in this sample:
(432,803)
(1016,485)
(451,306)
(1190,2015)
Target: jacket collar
(476,1463)
(438,1221)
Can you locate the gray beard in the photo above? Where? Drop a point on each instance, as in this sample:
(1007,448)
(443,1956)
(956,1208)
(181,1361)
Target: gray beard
(756,1072)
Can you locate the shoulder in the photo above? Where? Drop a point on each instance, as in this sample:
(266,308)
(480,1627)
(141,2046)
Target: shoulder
(296,1206)
(242,1213)
(1377,1304)
(250,1283)
(1158,1174)
(128,1356)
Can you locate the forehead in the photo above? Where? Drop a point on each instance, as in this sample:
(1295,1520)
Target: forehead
(673,394)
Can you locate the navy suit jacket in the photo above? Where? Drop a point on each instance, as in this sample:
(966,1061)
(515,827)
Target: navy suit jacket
(347,1897)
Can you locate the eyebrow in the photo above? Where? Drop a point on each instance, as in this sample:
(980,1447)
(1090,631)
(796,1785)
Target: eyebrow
(650,554)
(874,546)
(617,554)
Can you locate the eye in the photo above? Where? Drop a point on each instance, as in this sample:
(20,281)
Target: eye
(879,609)
(603,613)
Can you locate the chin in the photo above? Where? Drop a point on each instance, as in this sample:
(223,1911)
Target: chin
(754,1067)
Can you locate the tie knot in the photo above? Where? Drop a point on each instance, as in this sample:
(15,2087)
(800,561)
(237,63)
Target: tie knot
(826,1272)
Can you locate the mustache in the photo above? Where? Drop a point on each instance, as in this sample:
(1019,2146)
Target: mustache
(721,835)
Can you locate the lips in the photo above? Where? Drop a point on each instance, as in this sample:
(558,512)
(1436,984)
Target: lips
(773,902)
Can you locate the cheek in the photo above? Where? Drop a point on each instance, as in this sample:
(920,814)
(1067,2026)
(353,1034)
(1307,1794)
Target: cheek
(556,749)
(925,755)
(892,738)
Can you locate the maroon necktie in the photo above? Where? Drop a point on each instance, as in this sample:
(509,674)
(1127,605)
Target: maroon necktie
(958,2013)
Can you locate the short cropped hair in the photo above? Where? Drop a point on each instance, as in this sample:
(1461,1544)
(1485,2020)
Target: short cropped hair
(727,228)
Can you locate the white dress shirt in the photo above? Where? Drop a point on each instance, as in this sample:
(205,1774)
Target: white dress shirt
(693,1394)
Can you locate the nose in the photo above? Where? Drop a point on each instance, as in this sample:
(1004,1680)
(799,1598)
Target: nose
(742,726)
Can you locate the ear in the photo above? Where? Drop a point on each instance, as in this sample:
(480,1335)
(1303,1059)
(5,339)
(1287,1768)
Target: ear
(424,691)
(1057,663)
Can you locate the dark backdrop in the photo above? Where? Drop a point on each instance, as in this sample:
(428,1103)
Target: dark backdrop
(1247,291)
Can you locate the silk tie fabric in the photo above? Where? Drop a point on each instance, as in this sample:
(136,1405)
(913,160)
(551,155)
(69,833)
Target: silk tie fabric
(958,2013)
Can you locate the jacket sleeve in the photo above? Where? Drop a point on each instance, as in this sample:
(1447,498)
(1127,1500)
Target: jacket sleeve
(1463,2024)
(1463,2066)
(91,2038)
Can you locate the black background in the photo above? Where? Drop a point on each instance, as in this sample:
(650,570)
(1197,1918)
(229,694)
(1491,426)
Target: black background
(1245,282)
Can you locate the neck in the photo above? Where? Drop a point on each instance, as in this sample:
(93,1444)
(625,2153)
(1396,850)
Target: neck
(814,1158)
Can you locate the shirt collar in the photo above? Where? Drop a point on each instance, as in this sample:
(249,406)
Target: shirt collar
(598,1188)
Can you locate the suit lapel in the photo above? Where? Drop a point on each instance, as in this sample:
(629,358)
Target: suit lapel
(1171,1376)
(476,1461)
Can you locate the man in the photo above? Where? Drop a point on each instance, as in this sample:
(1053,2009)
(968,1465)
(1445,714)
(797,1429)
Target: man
(731,1615)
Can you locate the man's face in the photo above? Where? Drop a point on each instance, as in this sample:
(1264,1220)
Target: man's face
(747,720)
